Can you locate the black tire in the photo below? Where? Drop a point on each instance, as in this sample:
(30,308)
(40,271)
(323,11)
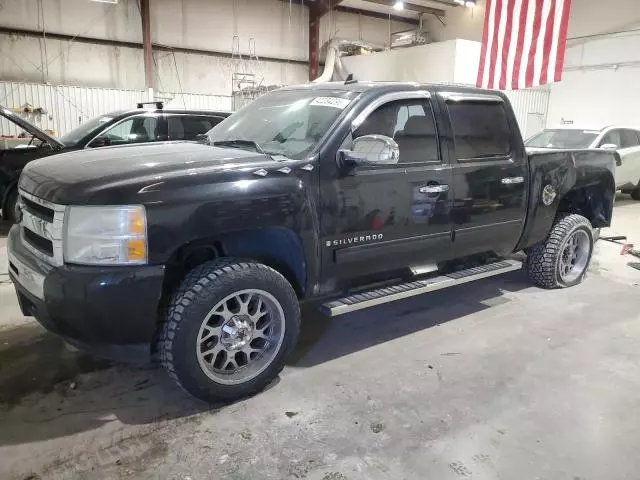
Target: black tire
(9,209)
(199,292)
(543,258)
(635,194)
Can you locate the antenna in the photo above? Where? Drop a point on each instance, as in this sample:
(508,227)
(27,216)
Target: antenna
(350,79)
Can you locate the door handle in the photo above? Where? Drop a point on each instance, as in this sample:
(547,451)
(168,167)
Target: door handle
(512,180)
(434,189)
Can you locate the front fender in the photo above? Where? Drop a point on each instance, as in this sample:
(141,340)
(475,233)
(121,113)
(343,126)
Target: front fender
(267,219)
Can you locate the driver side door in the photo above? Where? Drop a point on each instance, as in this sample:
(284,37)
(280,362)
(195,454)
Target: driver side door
(380,219)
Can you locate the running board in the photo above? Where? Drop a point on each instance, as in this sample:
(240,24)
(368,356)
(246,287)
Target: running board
(409,289)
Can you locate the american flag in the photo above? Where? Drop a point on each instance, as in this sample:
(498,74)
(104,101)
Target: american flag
(523,43)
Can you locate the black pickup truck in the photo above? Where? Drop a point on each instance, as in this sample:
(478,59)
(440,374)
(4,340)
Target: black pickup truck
(350,195)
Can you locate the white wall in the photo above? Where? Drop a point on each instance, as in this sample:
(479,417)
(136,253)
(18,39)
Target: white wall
(467,61)
(597,98)
(600,82)
(431,63)
(268,28)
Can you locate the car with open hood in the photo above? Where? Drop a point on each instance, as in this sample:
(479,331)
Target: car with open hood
(141,125)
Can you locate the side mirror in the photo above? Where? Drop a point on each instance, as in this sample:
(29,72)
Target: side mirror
(202,138)
(100,142)
(609,146)
(371,150)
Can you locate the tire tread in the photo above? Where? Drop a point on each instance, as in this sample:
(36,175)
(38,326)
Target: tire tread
(207,276)
(542,257)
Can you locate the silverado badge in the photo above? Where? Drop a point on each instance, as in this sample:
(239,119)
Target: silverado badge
(351,240)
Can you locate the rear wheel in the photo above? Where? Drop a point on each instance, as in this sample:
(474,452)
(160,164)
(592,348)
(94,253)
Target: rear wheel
(229,329)
(562,260)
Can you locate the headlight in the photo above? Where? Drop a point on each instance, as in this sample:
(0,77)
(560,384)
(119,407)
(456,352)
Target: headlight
(106,235)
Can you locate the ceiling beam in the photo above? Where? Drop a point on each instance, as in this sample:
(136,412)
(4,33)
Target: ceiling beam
(383,16)
(320,7)
(411,6)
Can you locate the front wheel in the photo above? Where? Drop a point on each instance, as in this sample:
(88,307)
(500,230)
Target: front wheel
(229,328)
(562,260)
(10,210)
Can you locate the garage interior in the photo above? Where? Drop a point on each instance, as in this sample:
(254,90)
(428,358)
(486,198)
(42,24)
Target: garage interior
(496,379)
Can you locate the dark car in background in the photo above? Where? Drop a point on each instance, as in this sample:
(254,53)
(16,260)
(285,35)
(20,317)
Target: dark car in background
(140,125)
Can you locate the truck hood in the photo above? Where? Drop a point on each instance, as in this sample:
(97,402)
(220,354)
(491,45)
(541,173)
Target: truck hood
(109,175)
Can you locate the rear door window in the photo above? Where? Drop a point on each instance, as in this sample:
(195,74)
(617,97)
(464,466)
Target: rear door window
(612,137)
(628,138)
(480,129)
(188,127)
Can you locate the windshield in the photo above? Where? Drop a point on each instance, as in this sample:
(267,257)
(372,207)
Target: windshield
(77,134)
(562,138)
(283,122)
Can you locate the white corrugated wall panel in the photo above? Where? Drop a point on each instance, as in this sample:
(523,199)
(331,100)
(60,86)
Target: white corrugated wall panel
(530,106)
(69,106)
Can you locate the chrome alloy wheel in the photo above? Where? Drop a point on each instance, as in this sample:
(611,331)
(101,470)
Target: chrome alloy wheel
(574,256)
(240,336)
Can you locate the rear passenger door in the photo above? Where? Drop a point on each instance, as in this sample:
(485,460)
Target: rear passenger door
(188,127)
(490,173)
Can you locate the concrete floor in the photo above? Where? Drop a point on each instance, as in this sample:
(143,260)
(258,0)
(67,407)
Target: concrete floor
(493,380)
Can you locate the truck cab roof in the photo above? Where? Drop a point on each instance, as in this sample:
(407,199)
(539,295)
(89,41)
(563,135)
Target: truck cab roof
(386,87)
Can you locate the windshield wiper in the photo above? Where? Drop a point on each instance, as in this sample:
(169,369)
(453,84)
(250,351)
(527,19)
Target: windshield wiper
(239,143)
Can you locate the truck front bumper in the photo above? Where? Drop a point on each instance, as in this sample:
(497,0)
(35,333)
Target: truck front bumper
(109,311)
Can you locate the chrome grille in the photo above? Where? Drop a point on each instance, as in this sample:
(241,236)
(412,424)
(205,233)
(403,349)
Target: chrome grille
(41,227)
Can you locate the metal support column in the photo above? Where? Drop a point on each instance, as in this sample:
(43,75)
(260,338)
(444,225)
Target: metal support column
(145,13)
(314,43)
(316,11)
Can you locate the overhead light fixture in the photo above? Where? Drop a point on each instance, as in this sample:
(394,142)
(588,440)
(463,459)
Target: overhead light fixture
(398,5)
(459,2)
(470,3)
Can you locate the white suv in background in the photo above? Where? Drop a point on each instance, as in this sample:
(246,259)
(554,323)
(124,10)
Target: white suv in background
(625,140)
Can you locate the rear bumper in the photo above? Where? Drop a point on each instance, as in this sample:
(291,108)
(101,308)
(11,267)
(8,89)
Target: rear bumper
(110,311)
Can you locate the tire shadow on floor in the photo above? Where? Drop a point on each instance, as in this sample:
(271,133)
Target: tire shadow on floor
(49,389)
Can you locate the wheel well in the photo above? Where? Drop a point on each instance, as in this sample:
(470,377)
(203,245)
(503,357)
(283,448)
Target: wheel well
(278,248)
(7,185)
(594,202)
(4,199)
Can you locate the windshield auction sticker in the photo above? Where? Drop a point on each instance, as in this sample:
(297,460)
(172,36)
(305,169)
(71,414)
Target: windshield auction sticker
(335,102)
